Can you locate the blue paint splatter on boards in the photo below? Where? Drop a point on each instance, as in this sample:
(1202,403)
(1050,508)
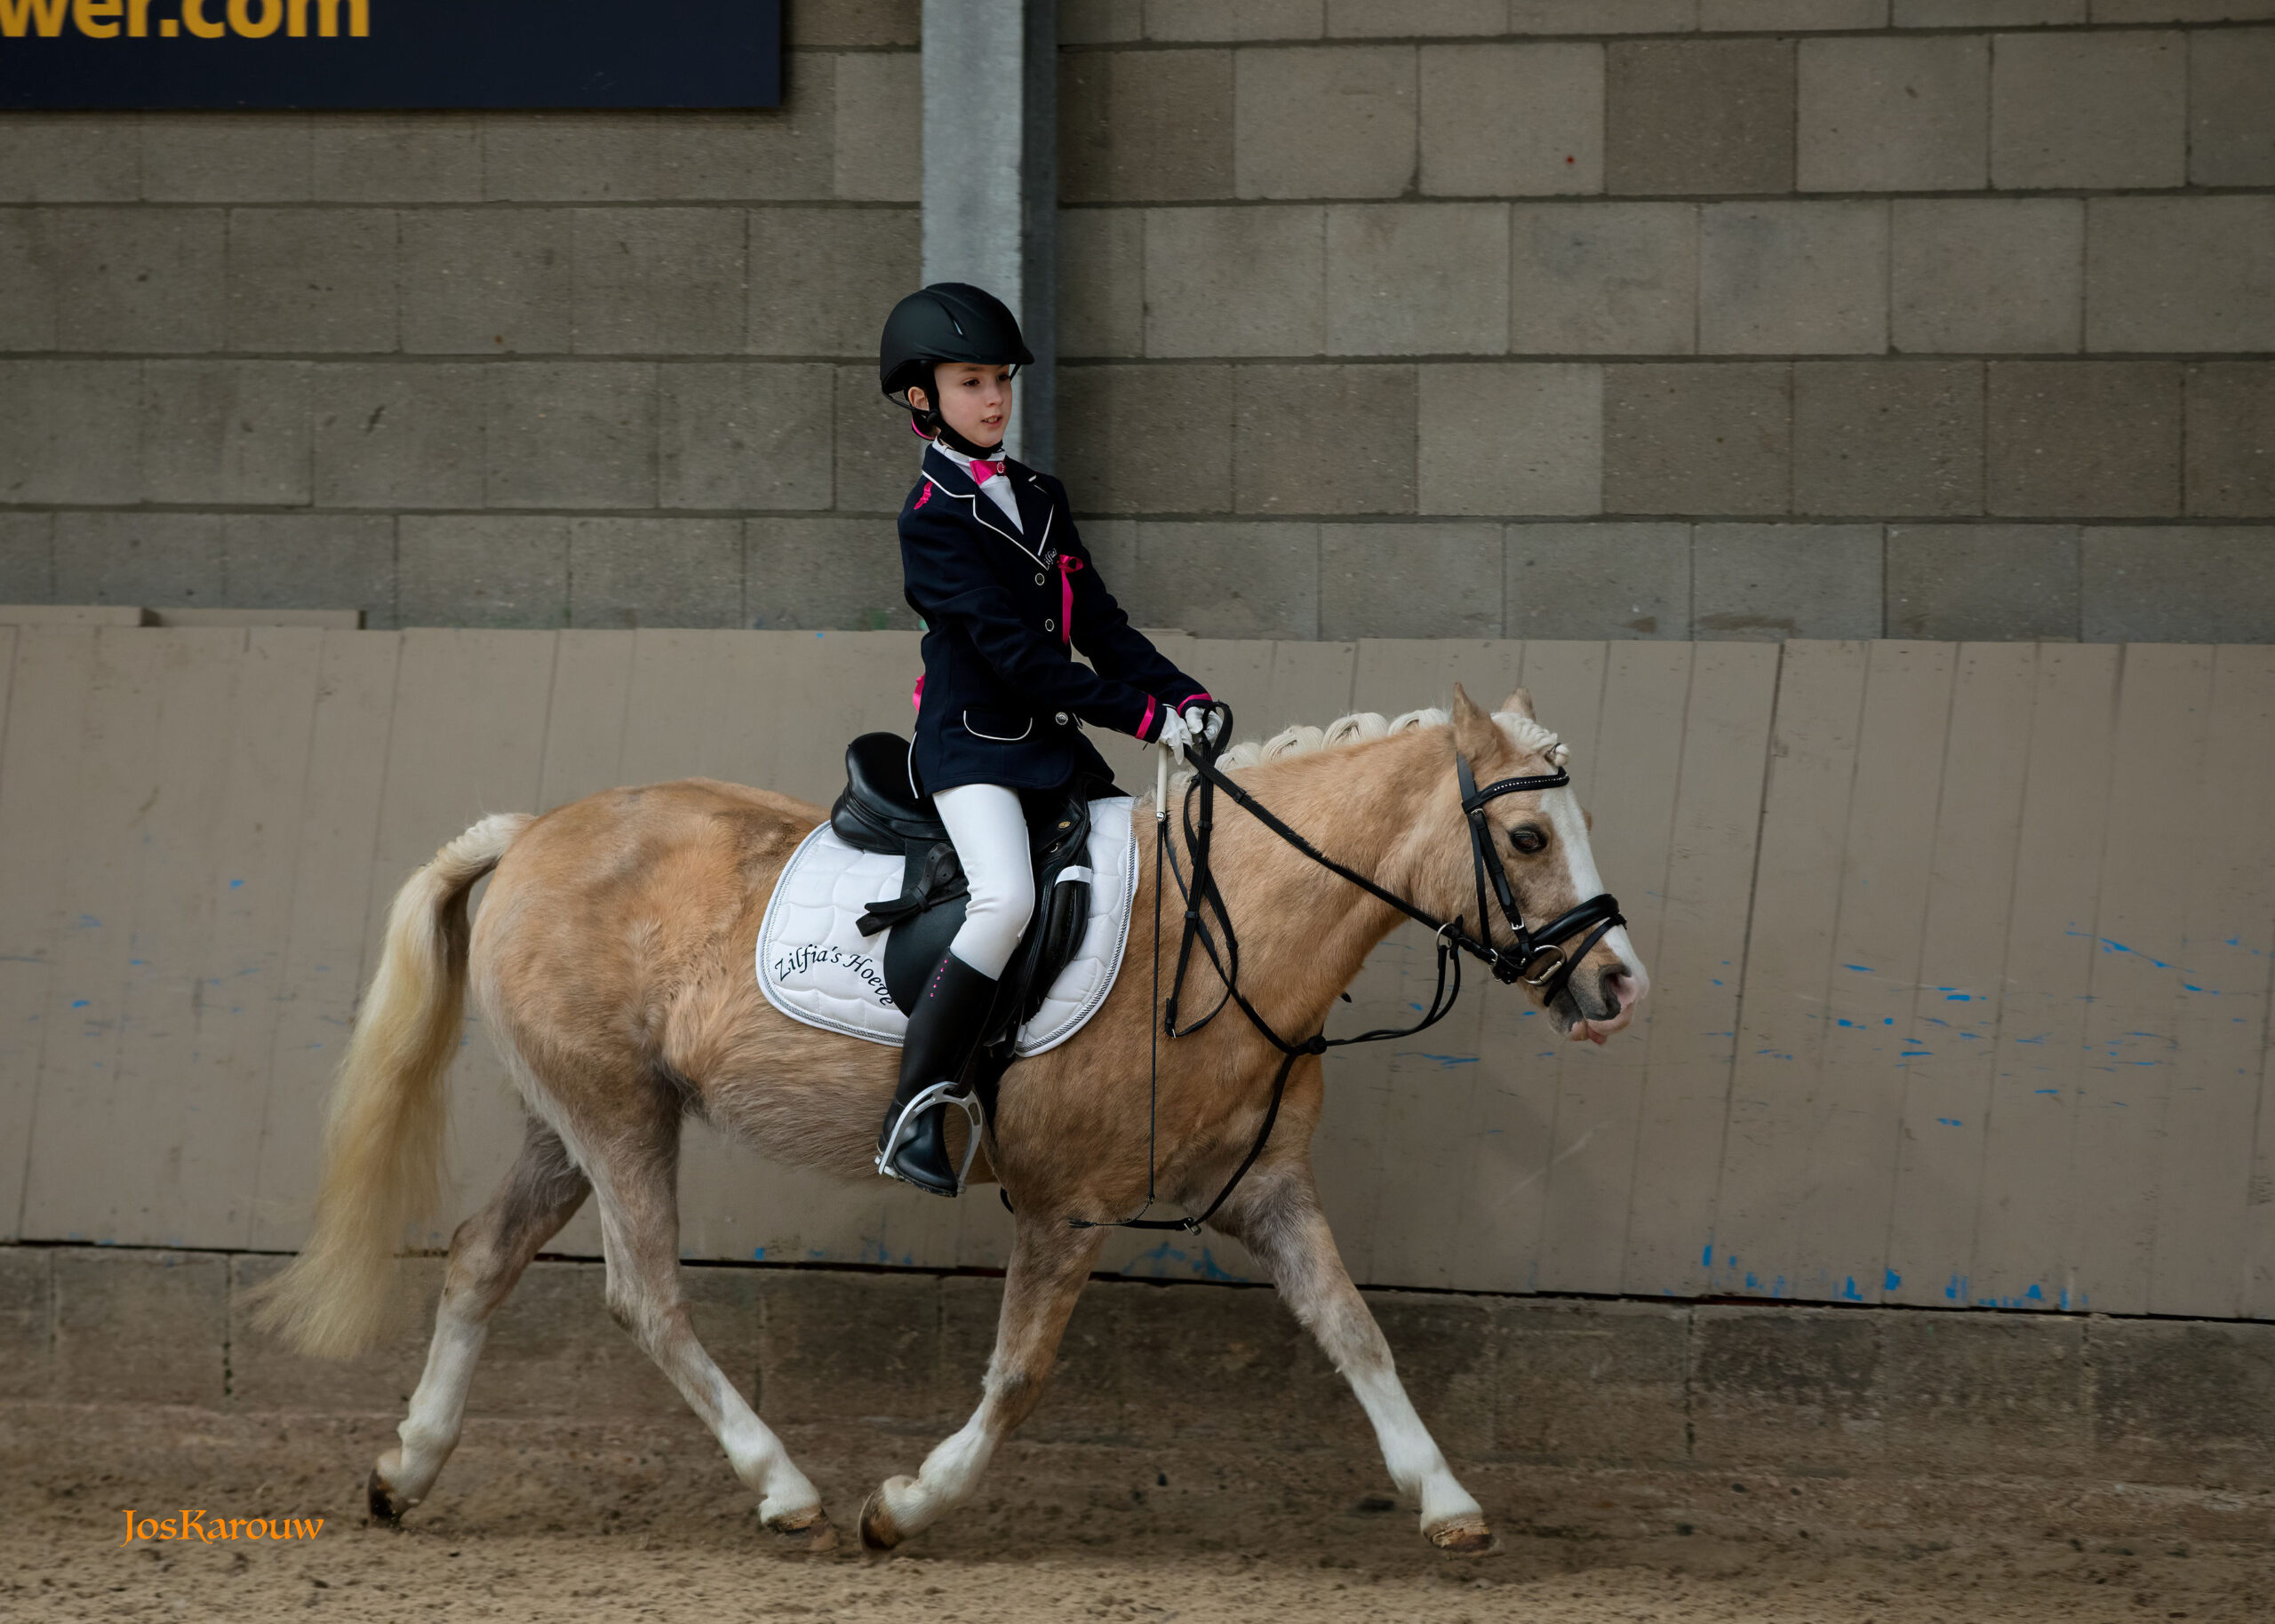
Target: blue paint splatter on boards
(236,885)
(2036,1294)
(1890,1280)
(80,1003)
(1753,1283)
(1846,1024)
(1848,1291)
(1443,1059)
(759,1252)
(1861,969)
(1706,1258)
(1957,1290)
(1949,1121)
(2056,1093)
(1959,998)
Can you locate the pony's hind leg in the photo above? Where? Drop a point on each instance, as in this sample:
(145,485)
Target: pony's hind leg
(488,1254)
(1277,1216)
(1051,1264)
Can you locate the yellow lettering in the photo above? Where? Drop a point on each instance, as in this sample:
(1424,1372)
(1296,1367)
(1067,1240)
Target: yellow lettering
(235,1523)
(359,18)
(147,1528)
(89,14)
(138,18)
(193,18)
(271,19)
(130,1525)
(297,18)
(45,15)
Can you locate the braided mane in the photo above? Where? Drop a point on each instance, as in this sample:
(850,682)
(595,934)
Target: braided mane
(1526,733)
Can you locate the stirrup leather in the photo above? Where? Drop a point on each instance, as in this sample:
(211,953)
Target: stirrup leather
(936,1094)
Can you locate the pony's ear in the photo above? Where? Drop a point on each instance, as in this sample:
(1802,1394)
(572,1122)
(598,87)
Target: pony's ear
(1520,701)
(1475,736)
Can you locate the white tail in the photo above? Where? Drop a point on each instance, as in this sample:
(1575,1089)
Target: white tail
(383,1130)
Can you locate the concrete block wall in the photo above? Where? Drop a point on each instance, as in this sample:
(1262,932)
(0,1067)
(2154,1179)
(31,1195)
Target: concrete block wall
(1823,1392)
(519,369)
(1676,318)
(1534,318)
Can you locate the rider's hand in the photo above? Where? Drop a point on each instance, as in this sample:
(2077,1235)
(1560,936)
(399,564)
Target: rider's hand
(1176,733)
(1204,721)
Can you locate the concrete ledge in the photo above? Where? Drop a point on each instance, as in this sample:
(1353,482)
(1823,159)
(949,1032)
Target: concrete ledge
(1515,1381)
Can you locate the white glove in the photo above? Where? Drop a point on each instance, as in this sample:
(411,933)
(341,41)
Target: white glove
(1204,721)
(1176,734)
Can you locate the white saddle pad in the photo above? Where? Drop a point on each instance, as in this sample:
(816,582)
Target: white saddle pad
(814,967)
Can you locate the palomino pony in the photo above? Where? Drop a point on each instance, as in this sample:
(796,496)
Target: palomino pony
(613,958)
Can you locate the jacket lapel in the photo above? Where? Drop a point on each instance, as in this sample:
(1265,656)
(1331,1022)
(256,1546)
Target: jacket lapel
(1035,509)
(951,481)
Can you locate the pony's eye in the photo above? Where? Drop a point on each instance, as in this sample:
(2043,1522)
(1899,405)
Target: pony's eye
(1527,840)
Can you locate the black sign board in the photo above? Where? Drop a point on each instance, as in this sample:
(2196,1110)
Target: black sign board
(390,53)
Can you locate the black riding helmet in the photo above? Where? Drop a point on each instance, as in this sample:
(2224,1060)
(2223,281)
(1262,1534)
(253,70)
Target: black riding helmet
(948,321)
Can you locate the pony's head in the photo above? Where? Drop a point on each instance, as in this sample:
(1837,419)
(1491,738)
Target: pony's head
(1540,838)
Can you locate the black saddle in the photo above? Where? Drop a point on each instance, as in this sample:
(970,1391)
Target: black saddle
(882,810)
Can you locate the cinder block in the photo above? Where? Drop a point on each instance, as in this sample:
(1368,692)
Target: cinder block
(1503,120)
(69,430)
(1711,439)
(264,1374)
(1211,20)
(1113,544)
(659,280)
(232,432)
(1595,17)
(27,274)
(1247,1373)
(1414,278)
(1448,1354)
(2181,274)
(461,569)
(813,25)
(1369,20)
(823,574)
(1758,16)
(2089,439)
(1085,1401)
(835,1345)
(553,1350)
(1583,582)
(1590,1383)
(1226,579)
(394,435)
(1324,121)
(140,1327)
(1895,114)
(1985,14)
(153,559)
(2107,109)
(1145,126)
(27,573)
(1102,22)
(2185,1402)
(2182,11)
(136,279)
(1763,583)
(570,157)
(1982,583)
(1789,1387)
(1794,278)
(1101,282)
(1146,439)
(27,1322)
(70,157)
(1410,580)
(228,157)
(2231,107)
(1984,1392)
(876,458)
(740,434)
(783,153)
(1234,281)
(1604,279)
(312,279)
(310,560)
(2166,583)
(1887,437)
(1511,437)
(822,278)
(1323,440)
(655,572)
(396,158)
(879,151)
(1699,115)
(2231,439)
(570,433)
(486,281)
(1987,273)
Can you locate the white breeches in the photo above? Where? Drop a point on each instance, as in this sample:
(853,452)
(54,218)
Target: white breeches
(990,832)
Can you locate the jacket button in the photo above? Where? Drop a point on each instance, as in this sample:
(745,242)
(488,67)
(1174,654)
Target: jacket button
(1060,719)
(1050,626)
(1039,580)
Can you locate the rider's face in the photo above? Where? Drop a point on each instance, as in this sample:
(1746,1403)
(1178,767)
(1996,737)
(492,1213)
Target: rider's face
(976,400)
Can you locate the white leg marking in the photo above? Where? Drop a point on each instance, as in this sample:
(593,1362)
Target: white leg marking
(430,1431)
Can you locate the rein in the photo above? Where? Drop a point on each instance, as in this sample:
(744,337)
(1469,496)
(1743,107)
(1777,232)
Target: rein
(1522,960)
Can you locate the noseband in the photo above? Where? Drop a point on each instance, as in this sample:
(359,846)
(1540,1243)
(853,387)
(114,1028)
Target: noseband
(1539,959)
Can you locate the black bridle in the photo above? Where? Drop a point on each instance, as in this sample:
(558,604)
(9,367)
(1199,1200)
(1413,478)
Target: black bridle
(1539,959)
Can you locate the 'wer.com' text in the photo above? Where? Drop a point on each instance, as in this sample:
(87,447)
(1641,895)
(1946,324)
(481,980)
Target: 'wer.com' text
(199,19)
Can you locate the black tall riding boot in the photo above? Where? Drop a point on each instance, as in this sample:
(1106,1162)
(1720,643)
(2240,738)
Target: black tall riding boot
(944,1031)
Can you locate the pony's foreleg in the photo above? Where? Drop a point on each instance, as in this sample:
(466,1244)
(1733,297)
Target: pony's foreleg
(488,1254)
(1278,1218)
(1050,1264)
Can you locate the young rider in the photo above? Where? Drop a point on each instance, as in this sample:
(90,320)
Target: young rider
(992,563)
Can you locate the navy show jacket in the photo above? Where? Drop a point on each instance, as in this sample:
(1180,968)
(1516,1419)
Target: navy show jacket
(1002,698)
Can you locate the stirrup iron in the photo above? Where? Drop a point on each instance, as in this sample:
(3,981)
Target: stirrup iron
(936,1093)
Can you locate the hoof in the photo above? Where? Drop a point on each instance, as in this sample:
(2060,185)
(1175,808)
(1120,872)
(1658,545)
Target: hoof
(381,1501)
(879,1531)
(810,1534)
(1463,1537)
